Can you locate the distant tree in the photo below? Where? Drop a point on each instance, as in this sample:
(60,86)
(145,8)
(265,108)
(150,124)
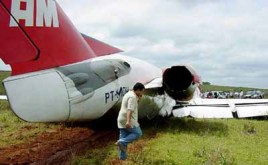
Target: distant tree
(206,83)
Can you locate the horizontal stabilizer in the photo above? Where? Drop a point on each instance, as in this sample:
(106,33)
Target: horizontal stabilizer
(100,48)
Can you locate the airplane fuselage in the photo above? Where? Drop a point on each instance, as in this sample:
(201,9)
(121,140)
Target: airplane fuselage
(80,91)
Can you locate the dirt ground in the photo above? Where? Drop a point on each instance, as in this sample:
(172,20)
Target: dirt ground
(57,146)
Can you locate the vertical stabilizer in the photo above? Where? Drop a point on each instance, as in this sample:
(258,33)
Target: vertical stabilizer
(37,35)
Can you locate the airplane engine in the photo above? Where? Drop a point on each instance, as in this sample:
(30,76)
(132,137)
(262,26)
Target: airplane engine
(38,96)
(180,82)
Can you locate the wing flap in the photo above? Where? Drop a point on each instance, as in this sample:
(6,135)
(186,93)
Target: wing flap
(203,112)
(252,111)
(222,108)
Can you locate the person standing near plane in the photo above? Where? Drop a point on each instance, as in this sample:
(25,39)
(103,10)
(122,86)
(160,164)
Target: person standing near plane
(127,120)
(241,94)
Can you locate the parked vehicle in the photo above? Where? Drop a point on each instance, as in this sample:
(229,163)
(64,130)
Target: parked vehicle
(214,94)
(254,94)
(219,94)
(208,95)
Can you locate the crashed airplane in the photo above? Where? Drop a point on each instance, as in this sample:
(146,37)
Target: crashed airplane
(59,74)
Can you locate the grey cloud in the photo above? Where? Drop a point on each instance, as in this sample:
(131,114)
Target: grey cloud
(129,30)
(226,41)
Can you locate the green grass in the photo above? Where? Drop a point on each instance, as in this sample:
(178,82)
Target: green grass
(165,141)
(3,75)
(14,130)
(191,141)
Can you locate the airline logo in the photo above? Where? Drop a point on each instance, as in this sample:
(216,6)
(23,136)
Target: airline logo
(45,14)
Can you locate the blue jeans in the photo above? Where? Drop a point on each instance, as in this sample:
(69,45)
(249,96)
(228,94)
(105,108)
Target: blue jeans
(128,135)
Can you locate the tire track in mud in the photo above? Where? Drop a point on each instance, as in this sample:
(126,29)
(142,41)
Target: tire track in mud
(59,146)
(55,146)
(66,155)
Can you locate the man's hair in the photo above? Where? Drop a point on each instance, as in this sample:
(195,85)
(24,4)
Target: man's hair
(138,86)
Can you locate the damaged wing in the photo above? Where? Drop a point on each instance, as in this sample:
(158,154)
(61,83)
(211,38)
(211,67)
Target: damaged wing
(222,108)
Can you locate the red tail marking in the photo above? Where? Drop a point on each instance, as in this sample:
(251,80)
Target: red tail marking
(15,46)
(58,41)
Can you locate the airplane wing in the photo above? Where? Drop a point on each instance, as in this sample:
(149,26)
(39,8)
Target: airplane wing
(222,108)
(155,83)
(3,97)
(198,107)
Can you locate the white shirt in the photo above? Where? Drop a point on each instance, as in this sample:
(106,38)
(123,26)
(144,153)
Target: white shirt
(129,103)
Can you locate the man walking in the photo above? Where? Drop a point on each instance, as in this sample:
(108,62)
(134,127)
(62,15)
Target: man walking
(127,120)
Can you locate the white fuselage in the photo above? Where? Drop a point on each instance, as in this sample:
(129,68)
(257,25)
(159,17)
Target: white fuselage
(51,96)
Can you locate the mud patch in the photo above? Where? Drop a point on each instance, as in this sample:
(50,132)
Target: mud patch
(60,145)
(46,145)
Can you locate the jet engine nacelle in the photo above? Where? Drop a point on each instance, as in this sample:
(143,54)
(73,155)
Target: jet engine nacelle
(51,96)
(180,82)
(38,96)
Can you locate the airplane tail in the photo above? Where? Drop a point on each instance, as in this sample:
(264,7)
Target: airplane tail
(37,35)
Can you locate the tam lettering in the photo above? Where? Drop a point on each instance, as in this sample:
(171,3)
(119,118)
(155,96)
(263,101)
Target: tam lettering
(46,13)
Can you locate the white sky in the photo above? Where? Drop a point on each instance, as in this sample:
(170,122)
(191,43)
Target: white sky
(226,41)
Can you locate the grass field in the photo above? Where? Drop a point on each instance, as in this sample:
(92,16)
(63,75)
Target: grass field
(3,75)
(189,141)
(165,141)
(14,130)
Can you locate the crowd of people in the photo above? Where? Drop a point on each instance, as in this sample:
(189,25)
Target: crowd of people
(251,94)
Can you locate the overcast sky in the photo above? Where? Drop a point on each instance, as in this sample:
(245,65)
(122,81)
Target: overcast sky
(225,41)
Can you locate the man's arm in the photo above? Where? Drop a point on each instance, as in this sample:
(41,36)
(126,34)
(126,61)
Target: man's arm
(129,114)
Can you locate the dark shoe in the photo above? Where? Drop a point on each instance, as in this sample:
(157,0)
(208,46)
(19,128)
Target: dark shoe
(121,147)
